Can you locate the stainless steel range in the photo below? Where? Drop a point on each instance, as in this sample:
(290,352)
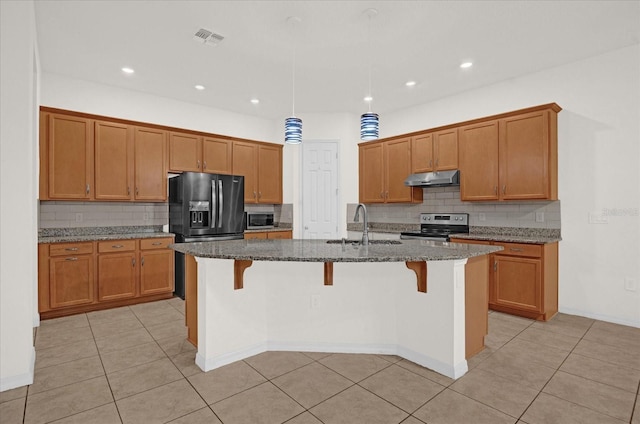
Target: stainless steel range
(438,226)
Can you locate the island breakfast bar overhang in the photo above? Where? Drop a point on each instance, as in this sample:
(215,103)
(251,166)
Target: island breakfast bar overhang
(373,307)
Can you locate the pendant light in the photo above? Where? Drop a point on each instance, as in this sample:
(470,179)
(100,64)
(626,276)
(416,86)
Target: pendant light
(369,122)
(293,125)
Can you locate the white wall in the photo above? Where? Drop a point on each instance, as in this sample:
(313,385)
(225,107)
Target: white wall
(18,202)
(599,158)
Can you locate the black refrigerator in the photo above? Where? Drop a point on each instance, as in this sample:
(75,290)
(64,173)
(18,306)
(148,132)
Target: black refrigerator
(204,207)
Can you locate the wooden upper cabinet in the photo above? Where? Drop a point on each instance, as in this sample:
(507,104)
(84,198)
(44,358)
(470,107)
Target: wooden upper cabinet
(478,146)
(150,164)
(185,152)
(371,175)
(525,157)
(113,161)
(245,163)
(69,147)
(216,155)
(445,149)
(269,174)
(383,168)
(397,168)
(422,153)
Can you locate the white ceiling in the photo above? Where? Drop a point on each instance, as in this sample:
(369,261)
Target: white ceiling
(423,41)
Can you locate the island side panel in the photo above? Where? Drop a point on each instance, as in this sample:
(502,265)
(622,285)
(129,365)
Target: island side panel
(231,323)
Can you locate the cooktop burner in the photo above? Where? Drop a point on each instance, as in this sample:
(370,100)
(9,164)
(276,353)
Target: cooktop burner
(438,226)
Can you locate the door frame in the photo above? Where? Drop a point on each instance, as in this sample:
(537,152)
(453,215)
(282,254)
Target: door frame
(301,186)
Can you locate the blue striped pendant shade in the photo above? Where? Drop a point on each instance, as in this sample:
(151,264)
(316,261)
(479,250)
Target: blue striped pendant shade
(369,126)
(293,130)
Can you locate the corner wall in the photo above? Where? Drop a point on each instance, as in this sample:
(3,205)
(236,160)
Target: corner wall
(18,201)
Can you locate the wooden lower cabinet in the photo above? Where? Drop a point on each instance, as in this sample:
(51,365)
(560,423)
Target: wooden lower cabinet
(476,314)
(87,276)
(271,235)
(523,279)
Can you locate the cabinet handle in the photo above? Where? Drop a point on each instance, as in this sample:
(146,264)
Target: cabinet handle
(71,259)
(255,195)
(142,261)
(128,191)
(137,191)
(516,249)
(198,163)
(158,243)
(133,262)
(87,189)
(259,195)
(117,246)
(71,249)
(495,266)
(495,190)
(504,189)
(204,165)
(382,194)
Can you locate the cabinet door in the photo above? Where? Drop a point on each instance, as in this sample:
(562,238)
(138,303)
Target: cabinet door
(156,271)
(422,153)
(117,276)
(70,155)
(517,283)
(245,161)
(524,156)
(270,174)
(185,152)
(216,156)
(478,146)
(371,175)
(150,164)
(397,168)
(113,161)
(70,280)
(255,236)
(279,235)
(445,149)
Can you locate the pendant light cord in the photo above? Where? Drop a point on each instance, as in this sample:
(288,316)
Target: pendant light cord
(370,62)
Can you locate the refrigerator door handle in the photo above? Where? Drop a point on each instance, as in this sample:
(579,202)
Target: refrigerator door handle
(220,203)
(214,215)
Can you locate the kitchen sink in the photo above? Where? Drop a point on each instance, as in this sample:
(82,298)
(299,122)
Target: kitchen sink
(352,241)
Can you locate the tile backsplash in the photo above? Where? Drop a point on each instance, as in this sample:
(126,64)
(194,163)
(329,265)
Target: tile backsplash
(64,214)
(485,214)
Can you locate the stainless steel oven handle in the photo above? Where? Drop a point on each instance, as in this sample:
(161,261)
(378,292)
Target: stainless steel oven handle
(213,206)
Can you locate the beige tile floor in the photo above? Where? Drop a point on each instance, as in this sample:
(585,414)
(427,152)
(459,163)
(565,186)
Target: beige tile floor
(133,365)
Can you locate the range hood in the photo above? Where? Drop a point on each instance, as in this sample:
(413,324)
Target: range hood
(434,179)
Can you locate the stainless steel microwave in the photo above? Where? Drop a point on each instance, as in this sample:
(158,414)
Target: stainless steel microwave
(258,220)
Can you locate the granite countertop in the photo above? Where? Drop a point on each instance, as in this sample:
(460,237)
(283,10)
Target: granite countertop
(65,235)
(298,250)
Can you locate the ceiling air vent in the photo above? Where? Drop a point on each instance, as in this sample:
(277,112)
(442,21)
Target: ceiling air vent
(207,37)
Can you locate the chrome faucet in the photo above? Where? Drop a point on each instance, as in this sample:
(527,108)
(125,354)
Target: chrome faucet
(356,218)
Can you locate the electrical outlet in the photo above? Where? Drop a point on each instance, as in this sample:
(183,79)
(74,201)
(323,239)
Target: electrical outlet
(539,216)
(482,217)
(78,217)
(315,301)
(598,218)
(630,284)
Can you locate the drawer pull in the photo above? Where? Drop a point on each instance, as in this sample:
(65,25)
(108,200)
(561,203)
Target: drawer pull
(495,265)
(72,249)
(133,262)
(516,249)
(117,246)
(71,259)
(158,243)
(142,261)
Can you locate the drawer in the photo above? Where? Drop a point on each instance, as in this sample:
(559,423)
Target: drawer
(155,243)
(116,246)
(520,249)
(62,249)
(279,235)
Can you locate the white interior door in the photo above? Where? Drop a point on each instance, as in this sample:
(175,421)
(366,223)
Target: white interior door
(319,190)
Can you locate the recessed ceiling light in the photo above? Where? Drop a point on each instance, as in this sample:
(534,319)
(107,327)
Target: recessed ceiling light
(255,101)
(410,83)
(127,70)
(466,65)
(368,99)
(199,87)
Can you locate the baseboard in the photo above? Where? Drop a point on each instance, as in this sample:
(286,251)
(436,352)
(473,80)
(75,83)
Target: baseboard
(219,361)
(599,317)
(14,381)
(455,371)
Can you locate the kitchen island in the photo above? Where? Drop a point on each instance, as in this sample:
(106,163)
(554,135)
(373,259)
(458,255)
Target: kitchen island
(425,301)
